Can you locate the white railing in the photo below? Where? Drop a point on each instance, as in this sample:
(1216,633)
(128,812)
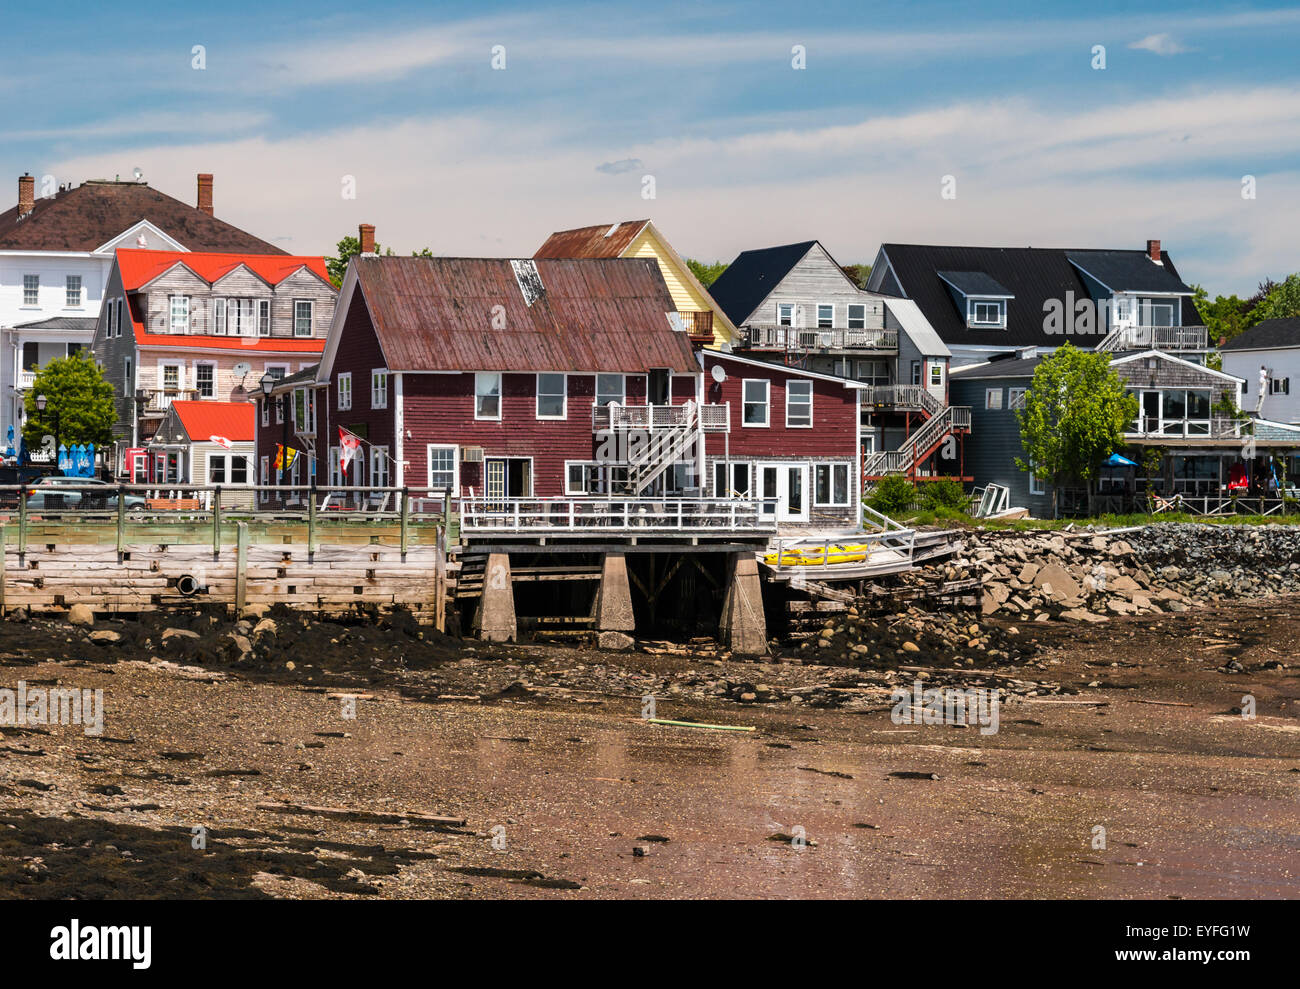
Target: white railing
(771,337)
(587,514)
(906,396)
(24,379)
(1155,338)
(714,418)
(160,399)
(1152,426)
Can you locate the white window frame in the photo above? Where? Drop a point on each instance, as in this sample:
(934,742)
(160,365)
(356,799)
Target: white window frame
(31,291)
(266,411)
(379,388)
(830,320)
(197,389)
(789,404)
(500,383)
(730,467)
(785,314)
(228,469)
(861,320)
(219,317)
(766,403)
(265,474)
(263,317)
(73,298)
(936,369)
(1037,485)
(128,376)
(973,312)
(622,392)
(379,463)
(993,399)
(455,467)
(172,314)
(1016,398)
(564,395)
(311,314)
(344,391)
(832,469)
(180,374)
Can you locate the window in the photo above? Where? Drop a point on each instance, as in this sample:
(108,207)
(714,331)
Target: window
(335,468)
(277,371)
(379,389)
(873,372)
(219,316)
(379,466)
(304,410)
(590,477)
(180,313)
(302,317)
(916,372)
(1016,398)
(279,401)
(981,312)
(263,317)
(1037,486)
(831,484)
(487,395)
(128,377)
(611,388)
(74,292)
(111,321)
(739,480)
(345,391)
(118,307)
(1279,386)
(755,394)
(551,396)
(265,477)
(266,411)
(785,314)
(443,460)
(993,398)
(205,380)
(31,290)
(798,404)
(936,375)
(240,318)
(857,316)
(825,317)
(171,377)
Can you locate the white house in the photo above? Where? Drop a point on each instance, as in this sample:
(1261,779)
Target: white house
(1267,356)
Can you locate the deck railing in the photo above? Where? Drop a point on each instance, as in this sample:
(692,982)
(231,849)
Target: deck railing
(1155,338)
(158,400)
(902,396)
(713,418)
(766,336)
(595,514)
(1155,426)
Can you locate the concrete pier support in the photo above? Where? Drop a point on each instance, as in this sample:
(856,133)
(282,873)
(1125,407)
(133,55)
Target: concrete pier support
(615,621)
(495,619)
(743,626)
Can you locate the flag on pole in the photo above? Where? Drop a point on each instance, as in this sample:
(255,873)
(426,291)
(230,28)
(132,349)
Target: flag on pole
(290,455)
(221,441)
(349,446)
(279,456)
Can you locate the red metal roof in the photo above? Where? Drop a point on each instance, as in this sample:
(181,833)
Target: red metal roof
(608,240)
(467,314)
(138,267)
(233,420)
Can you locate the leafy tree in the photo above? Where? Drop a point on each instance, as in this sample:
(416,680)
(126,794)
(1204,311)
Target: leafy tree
(1074,416)
(77,395)
(1279,302)
(706,273)
(1224,318)
(349,247)
(859,273)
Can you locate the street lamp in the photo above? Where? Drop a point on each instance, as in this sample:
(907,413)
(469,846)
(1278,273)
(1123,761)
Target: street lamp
(41,402)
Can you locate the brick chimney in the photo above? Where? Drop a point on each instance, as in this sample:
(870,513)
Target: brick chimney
(26,194)
(205,192)
(1153,251)
(367,237)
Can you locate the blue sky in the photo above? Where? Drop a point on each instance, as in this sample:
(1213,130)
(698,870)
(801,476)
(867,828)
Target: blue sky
(744,149)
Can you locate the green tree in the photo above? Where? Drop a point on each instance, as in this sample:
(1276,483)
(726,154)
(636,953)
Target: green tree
(1074,416)
(859,273)
(349,247)
(77,399)
(1280,301)
(1224,318)
(706,273)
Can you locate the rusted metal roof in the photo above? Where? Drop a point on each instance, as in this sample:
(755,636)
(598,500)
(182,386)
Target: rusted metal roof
(604,241)
(470,314)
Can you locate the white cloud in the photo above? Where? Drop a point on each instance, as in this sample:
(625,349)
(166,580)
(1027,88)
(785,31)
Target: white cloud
(1160,44)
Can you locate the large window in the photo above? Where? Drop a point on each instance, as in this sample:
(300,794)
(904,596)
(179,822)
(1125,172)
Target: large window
(552,397)
(302,317)
(831,485)
(304,410)
(205,379)
(73,284)
(31,290)
(443,468)
(857,316)
(611,388)
(755,392)
(487,395)
(731,480)
(379,466)
(180,313)
(825,317)
(799,404)
(228,469)
(237,317)
(874,372)
(379,389)
(345,391)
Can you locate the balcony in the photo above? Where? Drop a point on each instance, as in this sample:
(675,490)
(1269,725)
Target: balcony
(1191,338)
(156,401)
(827,339)
(901,397)
(699,325)
(712,418)
(23,380)
(1155,428)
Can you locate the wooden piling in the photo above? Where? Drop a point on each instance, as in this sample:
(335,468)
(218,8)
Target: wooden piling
(241,566)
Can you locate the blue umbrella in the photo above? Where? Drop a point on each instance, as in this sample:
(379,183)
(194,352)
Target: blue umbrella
(1115,460)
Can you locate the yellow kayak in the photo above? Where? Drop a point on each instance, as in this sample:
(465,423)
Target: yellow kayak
(821,556)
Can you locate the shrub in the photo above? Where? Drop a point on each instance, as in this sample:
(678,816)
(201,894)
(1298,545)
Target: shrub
(945,494)
(893,495)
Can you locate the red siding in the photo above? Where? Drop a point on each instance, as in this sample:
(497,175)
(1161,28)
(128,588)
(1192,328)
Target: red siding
(835,415)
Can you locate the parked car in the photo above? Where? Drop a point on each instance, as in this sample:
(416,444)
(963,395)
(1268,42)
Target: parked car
(56,493)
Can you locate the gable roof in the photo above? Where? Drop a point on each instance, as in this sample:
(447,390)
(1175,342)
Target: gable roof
(591,315)
(139,267)
(750,278)
(1016,367)
(202,420)
(1128,271)
(974,283)
(604,240)
(1268,334)
(1031,275)
(86,217)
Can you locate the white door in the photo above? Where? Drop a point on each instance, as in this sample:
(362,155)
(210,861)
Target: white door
(788,484)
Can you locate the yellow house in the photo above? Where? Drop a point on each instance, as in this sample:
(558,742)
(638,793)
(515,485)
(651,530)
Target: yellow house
(705,321)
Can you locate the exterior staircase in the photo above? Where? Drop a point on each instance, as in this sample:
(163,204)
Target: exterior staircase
(920,445)
(667,442)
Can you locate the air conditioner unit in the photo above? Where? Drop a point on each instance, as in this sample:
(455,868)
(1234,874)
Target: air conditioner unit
(471,455)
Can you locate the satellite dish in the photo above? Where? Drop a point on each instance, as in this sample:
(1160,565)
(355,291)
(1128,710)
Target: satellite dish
(718,374)
(139,173)
(242,368)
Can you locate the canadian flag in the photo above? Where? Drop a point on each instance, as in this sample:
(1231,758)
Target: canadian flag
(349,446)
(221,441)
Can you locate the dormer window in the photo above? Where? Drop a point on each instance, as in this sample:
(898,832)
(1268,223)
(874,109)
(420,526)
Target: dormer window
(986,312)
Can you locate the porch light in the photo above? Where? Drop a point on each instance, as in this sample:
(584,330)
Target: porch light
(40,403)
(268,382)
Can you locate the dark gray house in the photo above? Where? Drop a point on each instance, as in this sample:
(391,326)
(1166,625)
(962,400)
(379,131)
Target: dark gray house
(984,301)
